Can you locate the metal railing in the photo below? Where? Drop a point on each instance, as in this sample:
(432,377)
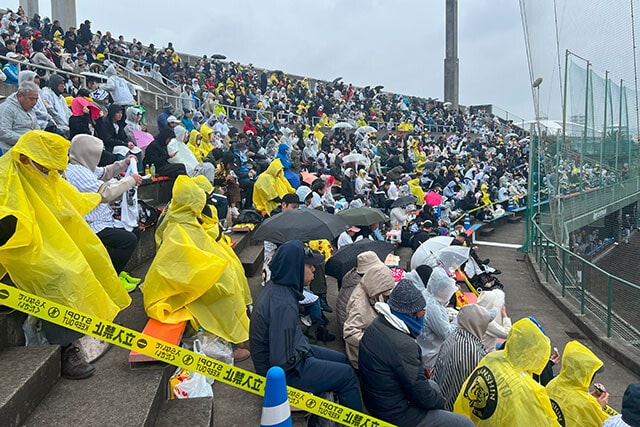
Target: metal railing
(609,301)
(165,81)
(26,65)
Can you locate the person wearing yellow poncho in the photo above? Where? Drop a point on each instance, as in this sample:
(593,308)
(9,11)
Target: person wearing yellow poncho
(269,185)
(417,191)
(199,142)
(46,246)
(569,391)
(190,278)
(501,392)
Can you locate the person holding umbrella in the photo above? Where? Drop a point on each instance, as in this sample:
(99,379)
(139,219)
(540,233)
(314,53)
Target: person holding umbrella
(346,238)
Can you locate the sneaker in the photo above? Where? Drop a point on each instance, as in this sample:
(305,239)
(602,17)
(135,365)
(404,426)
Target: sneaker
(73,367)
(306,320)
(135,280)
(129,287)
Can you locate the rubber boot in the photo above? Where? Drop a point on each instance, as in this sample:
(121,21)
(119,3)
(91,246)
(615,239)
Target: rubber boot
(324,305)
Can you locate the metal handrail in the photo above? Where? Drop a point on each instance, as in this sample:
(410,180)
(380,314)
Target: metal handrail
(173,85)
(25,64)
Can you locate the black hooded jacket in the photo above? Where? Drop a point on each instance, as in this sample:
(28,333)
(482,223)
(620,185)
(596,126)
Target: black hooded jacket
(274,334)
(107,132)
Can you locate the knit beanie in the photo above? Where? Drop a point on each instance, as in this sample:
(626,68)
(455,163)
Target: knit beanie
(366,260)
(406,298)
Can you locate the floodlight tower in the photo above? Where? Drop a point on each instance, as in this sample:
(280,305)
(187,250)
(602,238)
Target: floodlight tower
(62,10)
(451,74)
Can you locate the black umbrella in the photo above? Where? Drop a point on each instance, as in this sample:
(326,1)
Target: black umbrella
(347,257)
(404,201)
(336,80)
(218,56)
(362,216)
(301,224)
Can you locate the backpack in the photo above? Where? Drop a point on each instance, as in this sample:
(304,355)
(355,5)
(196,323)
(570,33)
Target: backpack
(250,216)
(147,214)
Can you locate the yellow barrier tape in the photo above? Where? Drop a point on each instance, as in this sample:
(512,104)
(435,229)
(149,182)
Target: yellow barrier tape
(172,354)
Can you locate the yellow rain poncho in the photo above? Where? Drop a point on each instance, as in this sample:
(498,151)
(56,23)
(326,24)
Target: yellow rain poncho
(416,190)
(269,185)
(189,278)
(500,392)
(200,147)
(47,248)
(569,391)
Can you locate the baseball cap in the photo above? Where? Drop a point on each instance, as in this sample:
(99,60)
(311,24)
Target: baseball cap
(354,229)
(172,119)
(312,257)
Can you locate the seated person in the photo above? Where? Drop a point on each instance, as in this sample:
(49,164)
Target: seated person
(630,416)
(569,391)
(47,248)
(501,390)
(271,186)
(157,154)
(184,156)
(110,129)
(17,115)
(394,385)
(84,174)
(201,286)
(276,337)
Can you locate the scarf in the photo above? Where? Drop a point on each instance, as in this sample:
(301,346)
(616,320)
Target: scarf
(414,324)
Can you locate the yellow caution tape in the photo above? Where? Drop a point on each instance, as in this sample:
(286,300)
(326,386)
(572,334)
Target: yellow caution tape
(172,354)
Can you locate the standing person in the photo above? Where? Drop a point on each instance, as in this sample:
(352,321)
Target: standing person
(47,248)
(85,175)
(626,228)
(276,338)
(120,90)
(394,385)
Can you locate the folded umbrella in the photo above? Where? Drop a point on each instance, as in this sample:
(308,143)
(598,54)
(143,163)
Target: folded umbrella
(347,257)
(362,216)
(301,224)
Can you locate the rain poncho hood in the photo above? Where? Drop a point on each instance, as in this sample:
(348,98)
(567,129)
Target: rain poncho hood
(54,82)
(53,252)
(441,286)
(189,278)
(270,185)
(569,391)
(287,266)
(474,319)
(501,392)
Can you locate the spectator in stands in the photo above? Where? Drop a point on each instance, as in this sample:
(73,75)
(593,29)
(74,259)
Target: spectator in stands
(17,116)
(630,416)
(38,57)
(501,391)
(437,327)
(500,326)
(276,337)
(270,187)
(569,391)
(191,289)
(121,91)
(173,122)
(375,286)
(53,98)
(10,69)
(84,114)
(461,352)
(84,33)
(110,129)
(158,155)
(187,98)
(394,385)
(55,254)
(346,237)
(182,155)
(45,121)
(84,174)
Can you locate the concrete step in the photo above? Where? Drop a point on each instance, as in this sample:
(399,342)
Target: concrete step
(145,251)
(29,374)
(196,412)
(11,321)
(114,395)
(252,258)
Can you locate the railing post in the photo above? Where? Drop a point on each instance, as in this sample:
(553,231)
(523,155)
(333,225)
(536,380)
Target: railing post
(564,271)
(582,289)
(609,302)
(547,260)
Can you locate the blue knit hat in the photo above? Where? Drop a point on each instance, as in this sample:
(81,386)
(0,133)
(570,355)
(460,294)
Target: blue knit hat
(406,298)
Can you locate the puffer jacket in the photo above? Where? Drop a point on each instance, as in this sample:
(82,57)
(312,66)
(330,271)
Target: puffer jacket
(360,308)
(349,283)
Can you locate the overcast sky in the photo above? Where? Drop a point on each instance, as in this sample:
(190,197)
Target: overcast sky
(399,44)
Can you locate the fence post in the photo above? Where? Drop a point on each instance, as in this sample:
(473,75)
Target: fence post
(547,260)
(564,271)
(609,302)
(582,287)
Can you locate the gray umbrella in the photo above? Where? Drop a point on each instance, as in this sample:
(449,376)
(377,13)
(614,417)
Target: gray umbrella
(404,201)
(362,216)
(347,257)
(301,224)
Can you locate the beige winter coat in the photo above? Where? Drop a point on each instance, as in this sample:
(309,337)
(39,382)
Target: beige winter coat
(360,311)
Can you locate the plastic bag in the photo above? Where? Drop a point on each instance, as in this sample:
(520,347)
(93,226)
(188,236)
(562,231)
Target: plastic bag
(185,384)
(211,346)
(129,205)
(33,332)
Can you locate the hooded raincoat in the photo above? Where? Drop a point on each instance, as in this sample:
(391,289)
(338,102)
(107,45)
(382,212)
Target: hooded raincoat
(121,91)
(569,391)
(360,308)
(283,155)
(437,327)
(501,392)
(269,185)
(200,147)
(50,250)
(189,279)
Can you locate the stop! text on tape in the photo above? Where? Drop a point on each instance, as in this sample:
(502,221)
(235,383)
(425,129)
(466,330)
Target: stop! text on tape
(181,357)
